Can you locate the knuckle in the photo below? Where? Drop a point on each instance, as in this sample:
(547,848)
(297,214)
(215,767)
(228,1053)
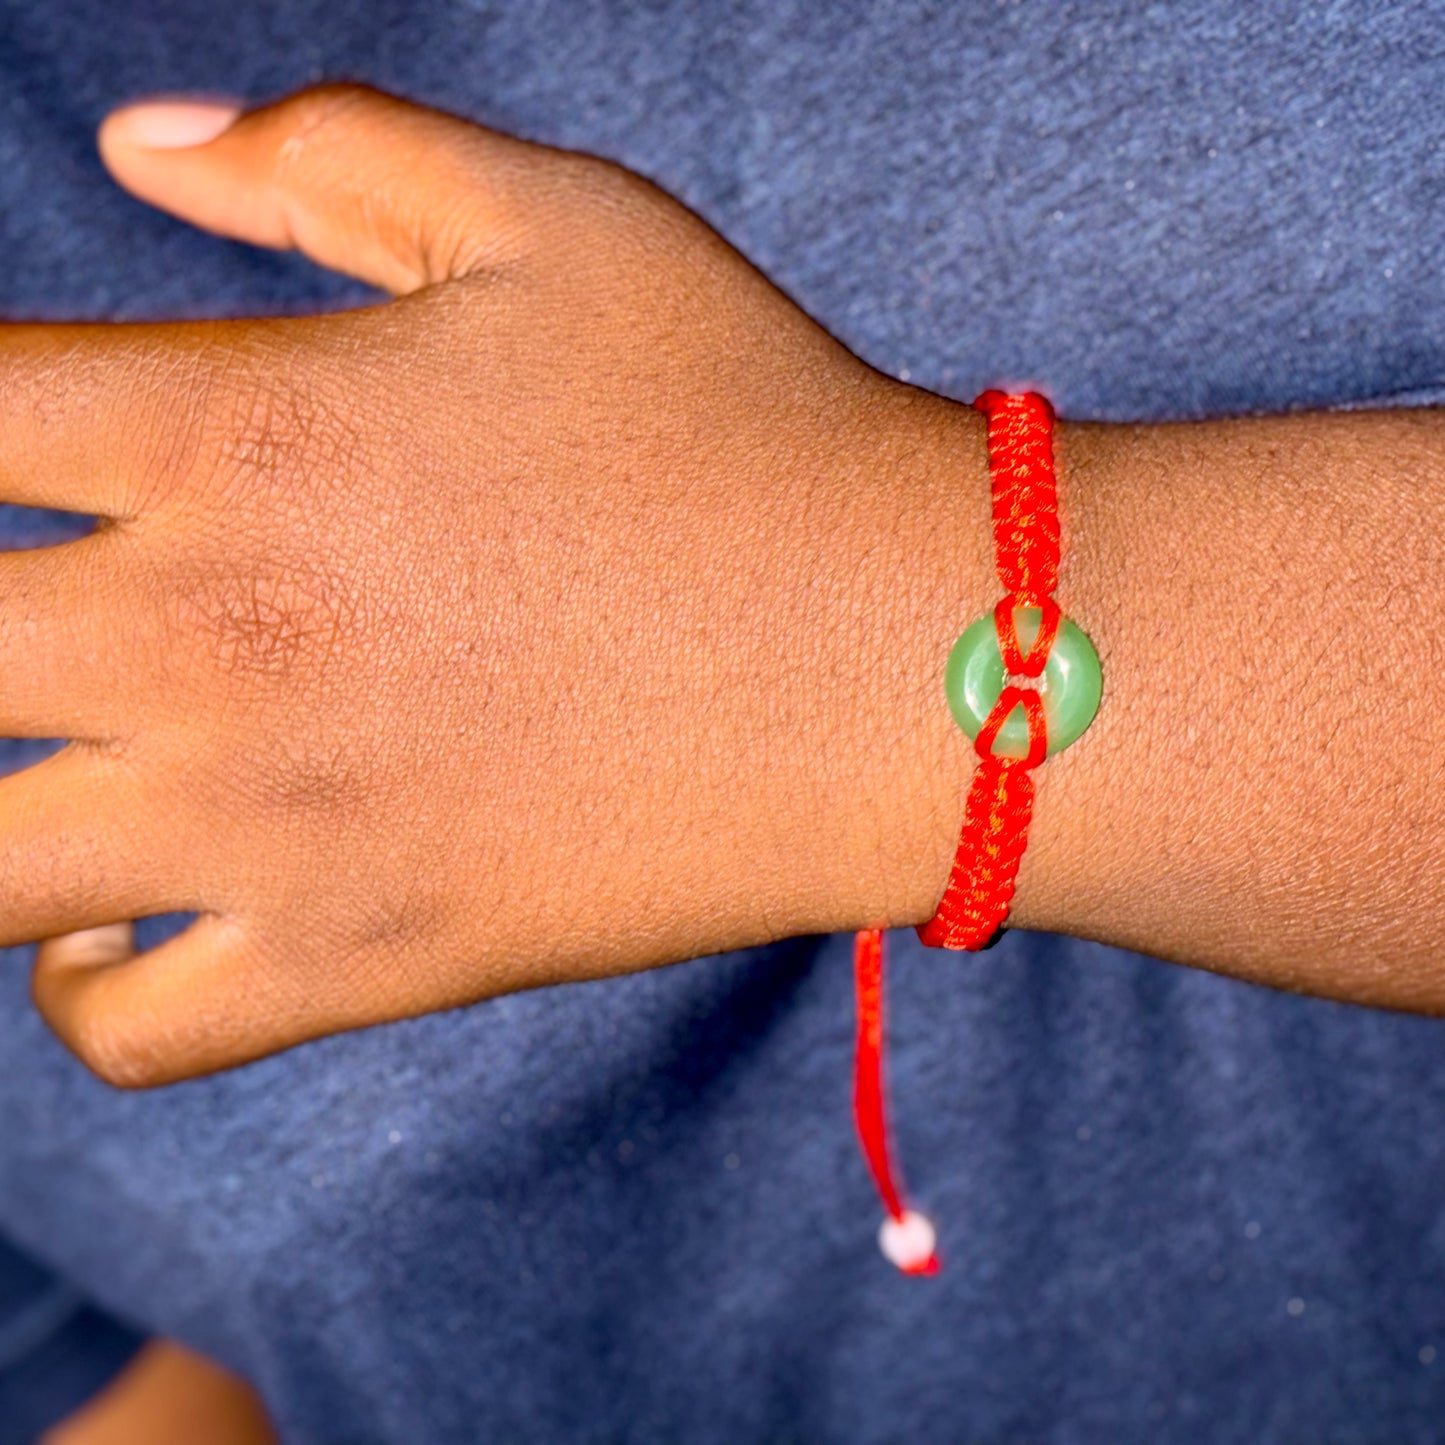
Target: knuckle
(270,623)
(630,201)
(263,433)
(325,776)
(608,195)
(279,601)
(274,444)
(401,920)
(310,113)
(321,131)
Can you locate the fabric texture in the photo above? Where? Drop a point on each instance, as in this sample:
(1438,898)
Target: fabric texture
(1172,1206)
(55,1349)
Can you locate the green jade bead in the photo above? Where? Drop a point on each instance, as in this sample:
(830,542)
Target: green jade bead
(1070,687)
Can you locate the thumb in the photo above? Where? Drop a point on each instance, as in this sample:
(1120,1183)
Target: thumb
(389,192)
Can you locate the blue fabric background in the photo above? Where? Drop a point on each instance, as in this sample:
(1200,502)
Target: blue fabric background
(54,1347)
(1174,1207)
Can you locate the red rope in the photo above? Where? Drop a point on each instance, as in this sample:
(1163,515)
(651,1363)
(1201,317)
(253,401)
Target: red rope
(1000,799)
(1025,502)
(868,1081)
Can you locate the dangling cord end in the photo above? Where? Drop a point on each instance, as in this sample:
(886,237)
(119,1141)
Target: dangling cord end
(906,1238)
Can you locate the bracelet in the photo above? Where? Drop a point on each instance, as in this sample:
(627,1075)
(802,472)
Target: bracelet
(1013,729)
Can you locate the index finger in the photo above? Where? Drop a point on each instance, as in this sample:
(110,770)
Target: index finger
(90,413)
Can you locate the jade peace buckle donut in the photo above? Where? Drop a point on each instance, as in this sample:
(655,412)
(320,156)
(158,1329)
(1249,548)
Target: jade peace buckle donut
(1070,688)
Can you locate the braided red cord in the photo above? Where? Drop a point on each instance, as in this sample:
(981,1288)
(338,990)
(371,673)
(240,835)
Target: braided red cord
(1025,502)
(1000,799)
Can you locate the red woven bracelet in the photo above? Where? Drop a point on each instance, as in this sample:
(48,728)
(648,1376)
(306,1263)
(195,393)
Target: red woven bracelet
(980,886)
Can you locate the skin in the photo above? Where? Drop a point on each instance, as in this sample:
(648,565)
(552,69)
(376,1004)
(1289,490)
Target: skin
(168,1395)
(585,608)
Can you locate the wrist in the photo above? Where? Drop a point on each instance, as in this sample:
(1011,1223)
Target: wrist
(921,568)
(930,573)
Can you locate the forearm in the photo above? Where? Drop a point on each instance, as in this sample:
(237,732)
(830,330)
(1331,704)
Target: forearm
(1260,793)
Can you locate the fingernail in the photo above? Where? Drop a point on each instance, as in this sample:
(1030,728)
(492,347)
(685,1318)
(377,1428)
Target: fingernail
(109,943)
(173,124)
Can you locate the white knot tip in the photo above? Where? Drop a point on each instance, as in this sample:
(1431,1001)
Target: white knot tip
(909,1242)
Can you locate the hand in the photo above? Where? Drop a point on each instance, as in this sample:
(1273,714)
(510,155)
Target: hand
(516,631)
